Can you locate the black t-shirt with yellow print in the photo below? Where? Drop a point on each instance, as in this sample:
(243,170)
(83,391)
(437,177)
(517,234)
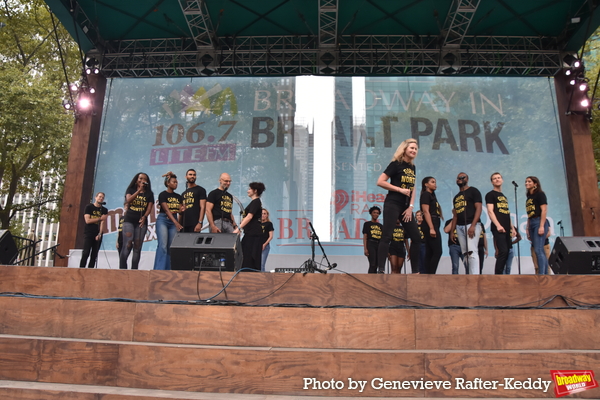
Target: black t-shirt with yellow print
(534,203)
(402,175)
(94,212)
(373,230)
(173,201)
(137,208)
(464,205)
(222,203)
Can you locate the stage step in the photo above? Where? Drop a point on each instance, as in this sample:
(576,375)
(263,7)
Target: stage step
(360,290)
(12,390)
(274,371)
(94,346)
(290,327)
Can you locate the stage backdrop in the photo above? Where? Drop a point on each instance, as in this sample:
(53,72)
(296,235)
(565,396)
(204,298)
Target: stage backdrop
(320,143)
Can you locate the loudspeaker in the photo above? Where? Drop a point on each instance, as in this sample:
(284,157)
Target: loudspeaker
(206,252)
(576,255)
(8,248)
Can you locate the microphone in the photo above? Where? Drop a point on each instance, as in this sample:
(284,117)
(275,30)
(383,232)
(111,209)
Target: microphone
(103,203)
(515,183)
(146,183)
(559,223)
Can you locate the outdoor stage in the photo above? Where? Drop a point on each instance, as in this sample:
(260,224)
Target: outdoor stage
(266,332)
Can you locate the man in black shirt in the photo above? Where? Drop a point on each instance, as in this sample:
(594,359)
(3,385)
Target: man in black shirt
(194,199)
(95,215)
(465,218)
(219,207)
(497,206)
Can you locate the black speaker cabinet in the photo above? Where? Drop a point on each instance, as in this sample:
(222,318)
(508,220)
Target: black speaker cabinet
(576,255)
(206,252)
(8,248)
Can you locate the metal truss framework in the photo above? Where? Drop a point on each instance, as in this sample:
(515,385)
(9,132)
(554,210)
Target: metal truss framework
(356,55)
(457,23)
(199,22)
(328,21)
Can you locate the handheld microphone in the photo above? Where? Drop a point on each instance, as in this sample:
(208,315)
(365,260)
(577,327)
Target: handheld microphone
(103,203)
(515,183)
(146,183)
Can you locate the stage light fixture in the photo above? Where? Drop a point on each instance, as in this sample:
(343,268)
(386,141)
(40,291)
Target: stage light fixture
(572,82)
(67,104)
(568,72)
(585,102)
(583,86)
(84,104)
(92,90)
(569,59)
(74,87)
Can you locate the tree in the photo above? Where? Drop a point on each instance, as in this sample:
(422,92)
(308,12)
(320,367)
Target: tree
(591,59)
(34,127)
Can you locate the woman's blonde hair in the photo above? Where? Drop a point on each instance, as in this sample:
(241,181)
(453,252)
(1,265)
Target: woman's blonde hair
(399,154)
(264,209)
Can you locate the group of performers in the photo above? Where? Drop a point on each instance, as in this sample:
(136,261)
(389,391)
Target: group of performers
(179,213)
(465,229)
(186,212)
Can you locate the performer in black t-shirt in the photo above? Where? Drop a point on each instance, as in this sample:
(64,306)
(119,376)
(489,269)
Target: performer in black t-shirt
(501,226)
(219,207)
(371,237)
(95,217)
(140,200)
(167,225)
(194,199)
(432,214)
(267,230)
(397,249)
(252,240)
(465,218)
(399,202)
(537,223)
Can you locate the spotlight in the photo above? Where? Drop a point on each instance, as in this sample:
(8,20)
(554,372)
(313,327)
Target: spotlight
(577,64)
(84,103)
(569,59)
(74,87)
(67,104)
(96,71)
(583,86)
(568,72)
(88,71)
(585,102)
(572,82)
(92,90)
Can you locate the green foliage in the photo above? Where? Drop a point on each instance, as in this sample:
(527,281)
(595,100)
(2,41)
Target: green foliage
(34,127)
(592,63)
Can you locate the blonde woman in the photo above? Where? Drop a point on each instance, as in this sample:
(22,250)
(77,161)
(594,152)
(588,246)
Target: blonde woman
(399,202)
(267,230)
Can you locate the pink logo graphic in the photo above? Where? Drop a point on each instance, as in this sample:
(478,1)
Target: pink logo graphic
(341,199)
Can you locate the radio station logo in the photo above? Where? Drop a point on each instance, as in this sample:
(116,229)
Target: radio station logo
(567,382)
(341,199)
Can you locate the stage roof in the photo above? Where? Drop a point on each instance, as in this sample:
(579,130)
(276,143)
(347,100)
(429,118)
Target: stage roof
(133,38)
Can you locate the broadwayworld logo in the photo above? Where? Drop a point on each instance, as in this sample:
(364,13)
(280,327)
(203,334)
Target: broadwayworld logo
(567,382)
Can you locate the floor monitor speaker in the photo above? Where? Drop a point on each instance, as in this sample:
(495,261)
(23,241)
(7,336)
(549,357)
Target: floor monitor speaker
(206,252)
(575,255)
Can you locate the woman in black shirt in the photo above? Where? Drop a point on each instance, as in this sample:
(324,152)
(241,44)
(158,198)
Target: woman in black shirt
(252,241)
(431,227)
(371,236)
(399,202)
(140,200)
(537,224)
(167,225)
(267,230)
